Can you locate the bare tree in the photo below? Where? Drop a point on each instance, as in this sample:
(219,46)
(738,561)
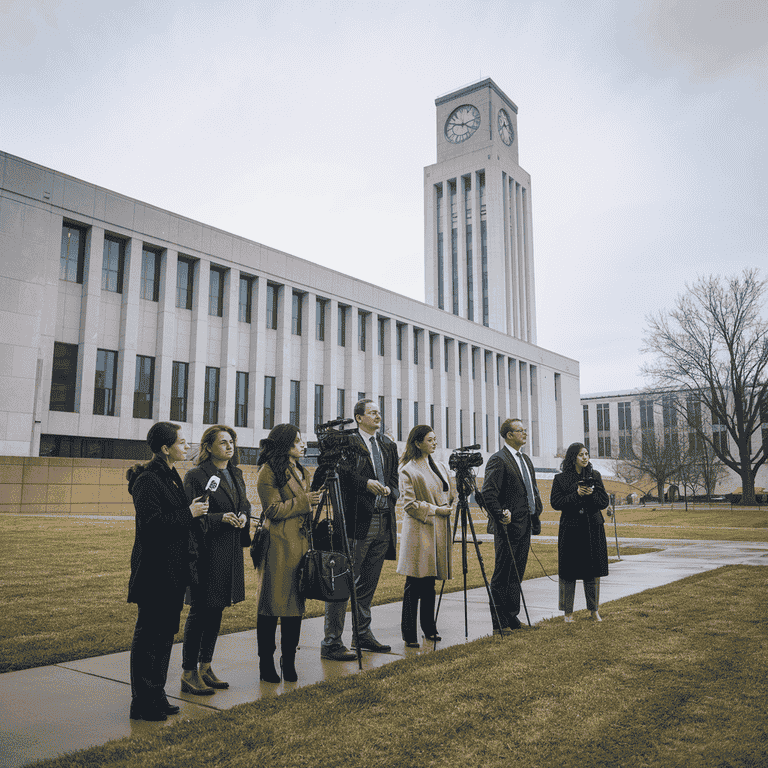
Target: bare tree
(659,458)
(714,345)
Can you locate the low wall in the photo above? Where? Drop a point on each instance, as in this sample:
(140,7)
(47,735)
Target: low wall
(77,486)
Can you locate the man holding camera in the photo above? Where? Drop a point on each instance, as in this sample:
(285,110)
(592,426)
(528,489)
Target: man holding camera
(369,489)
(513,504)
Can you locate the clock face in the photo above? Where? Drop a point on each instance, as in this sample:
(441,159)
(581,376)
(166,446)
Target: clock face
(506,131)
(462,123)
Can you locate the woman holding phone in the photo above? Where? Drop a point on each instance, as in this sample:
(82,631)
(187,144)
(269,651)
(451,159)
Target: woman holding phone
(582,553)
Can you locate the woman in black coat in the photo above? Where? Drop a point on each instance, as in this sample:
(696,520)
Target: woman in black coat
(161,566)
(221,534)
(582,552)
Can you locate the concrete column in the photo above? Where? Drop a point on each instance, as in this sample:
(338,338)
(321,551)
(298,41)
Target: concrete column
(230,352)
(166,335)
(198,352)
(89,328)
(256,358)
(284,358)
(129,334)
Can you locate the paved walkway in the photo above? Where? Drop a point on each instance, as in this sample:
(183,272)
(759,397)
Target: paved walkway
(48,711)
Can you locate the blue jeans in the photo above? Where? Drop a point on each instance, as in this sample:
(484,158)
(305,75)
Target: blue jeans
(368,556)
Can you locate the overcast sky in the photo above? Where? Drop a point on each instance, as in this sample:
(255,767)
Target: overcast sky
(306,126)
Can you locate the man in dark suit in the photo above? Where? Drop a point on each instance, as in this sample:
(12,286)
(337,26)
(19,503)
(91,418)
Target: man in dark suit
(513,504)
(369,489)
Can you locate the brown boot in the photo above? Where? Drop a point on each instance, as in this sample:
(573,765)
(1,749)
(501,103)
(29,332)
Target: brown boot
(191,682)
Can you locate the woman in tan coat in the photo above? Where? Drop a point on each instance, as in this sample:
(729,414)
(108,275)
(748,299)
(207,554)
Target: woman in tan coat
(283,488)
(425,542)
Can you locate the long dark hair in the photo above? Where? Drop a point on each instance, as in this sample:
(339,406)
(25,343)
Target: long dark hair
(568,464)
(207,440)
(164,433)
(273,450)
(412,451)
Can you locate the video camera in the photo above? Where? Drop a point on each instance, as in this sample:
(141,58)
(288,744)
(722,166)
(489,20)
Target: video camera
(337,445)
(464,458)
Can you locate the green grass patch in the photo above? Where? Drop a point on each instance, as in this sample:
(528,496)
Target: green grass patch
(660,682)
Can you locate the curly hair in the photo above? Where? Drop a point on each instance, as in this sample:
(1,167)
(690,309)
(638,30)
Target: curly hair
(273,450)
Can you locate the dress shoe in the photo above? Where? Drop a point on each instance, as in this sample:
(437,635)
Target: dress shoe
(370,643)
(169,709)
(191,682)
(596,616)
(411,643)
(153,713)
(433,638)
(209,677)
(502,631)
(337,653)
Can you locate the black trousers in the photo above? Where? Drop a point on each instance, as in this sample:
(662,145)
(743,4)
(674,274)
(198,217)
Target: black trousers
(153,636)
(200,634)
(505,582)
(418,591)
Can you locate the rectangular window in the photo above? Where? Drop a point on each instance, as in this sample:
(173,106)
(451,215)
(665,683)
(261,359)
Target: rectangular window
(432,416)
(432,338)
(114,264)
(360,396)
(320,319)
(211,398)
(382,335)
(150,274)
(484,250)
(399,341)
(454,247)
(447,426)
(415,412)
(585,410)
(241,399)
(475,351)
(179,385)
(399,419)
(446,348)
(185,275)
(340,404)
(297,305)
(144,387)
(272,294)
(72,260)
(295,406)
(383,427)
(216,295)
(319,397)
(462,355)
(105,385)
(625,431)
(64,377)
(416,346)
(461,427)
(245,298)
(269,402)
(362,318)
(720,434)
(603,430)
(342,332)
(468,233)
(440,258)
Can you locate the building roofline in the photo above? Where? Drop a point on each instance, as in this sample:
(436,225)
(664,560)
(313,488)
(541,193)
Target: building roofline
(472,88)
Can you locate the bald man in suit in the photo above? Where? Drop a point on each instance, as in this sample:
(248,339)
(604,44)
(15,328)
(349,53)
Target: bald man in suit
(513,504)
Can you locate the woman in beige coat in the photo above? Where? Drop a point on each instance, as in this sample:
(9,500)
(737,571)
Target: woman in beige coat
(425,541)
(283,488)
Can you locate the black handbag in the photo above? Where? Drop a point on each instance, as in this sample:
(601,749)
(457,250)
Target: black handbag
(260,543)
(324,575)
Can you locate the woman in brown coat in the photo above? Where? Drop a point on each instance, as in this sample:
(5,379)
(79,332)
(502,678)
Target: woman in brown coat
(425,542)
(283,488)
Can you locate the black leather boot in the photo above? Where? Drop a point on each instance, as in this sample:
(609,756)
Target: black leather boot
(266,627)
(290,629)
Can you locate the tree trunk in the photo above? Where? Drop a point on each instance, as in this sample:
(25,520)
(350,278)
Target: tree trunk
(747,487)
(660,489)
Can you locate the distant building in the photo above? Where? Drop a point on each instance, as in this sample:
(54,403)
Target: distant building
(614,424)
(116,314)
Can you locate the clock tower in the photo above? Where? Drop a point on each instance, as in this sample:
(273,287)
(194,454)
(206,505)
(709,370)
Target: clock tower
(477,205)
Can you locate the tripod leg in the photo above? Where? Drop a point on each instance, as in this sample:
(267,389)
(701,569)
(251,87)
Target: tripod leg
(517,574)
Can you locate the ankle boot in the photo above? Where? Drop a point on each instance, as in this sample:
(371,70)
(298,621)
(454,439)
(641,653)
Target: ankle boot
(208,676)
(265,638)
(191,682)
(290,629)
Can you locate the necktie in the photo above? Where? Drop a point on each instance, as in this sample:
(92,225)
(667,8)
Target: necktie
(378,465)
(527,481)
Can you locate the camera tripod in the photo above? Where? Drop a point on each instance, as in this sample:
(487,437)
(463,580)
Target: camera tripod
(465,485)
(332,496)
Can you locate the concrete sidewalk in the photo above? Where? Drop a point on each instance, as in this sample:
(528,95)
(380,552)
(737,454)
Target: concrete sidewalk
(48,711)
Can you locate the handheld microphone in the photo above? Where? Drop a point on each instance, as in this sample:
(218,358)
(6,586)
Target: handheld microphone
(210,487)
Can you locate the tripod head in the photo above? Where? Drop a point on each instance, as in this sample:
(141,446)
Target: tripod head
(463,461)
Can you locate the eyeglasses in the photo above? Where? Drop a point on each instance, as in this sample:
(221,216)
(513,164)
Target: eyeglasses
(524,431)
